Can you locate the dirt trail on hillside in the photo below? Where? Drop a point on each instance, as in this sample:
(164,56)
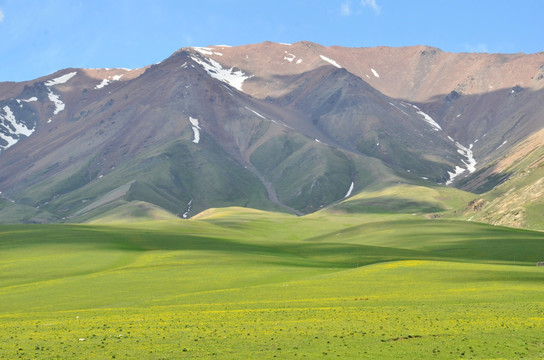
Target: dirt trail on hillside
(272,195)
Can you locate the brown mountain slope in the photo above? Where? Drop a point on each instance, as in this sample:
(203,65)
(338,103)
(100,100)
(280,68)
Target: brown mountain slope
(518,198)
(415,73)
(273,126)
(175,136)
(487,101)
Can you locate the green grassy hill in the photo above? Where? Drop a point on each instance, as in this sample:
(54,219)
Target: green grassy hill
(177,176)
(18,213)
(405,199)
(239,283)
(517,197)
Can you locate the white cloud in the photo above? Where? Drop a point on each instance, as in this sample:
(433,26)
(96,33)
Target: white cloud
(345,9)
(372,4)
(1,15)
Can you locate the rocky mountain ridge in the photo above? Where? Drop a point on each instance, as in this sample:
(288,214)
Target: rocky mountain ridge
(273,126)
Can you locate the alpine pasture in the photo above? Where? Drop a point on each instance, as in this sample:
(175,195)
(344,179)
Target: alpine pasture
(237,283)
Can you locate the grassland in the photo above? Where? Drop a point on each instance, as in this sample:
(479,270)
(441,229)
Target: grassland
(238,283)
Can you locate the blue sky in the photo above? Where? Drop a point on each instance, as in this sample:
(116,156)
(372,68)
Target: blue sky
(39,37)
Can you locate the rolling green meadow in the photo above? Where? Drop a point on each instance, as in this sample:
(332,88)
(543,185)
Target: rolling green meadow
(245,284)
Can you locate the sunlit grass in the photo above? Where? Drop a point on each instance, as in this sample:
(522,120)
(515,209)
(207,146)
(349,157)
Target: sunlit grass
(261,285)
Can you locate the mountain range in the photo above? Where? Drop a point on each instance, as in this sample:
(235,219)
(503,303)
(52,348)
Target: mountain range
(296,128)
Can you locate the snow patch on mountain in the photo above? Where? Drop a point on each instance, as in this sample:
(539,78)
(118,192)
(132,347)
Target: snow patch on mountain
(470,163)
(430,120)
(299,61)
(196,128)
(375,73)
(31,99)
(330,61)
(13,127)
(457,171)
(350,190)
(234,78)
(467,152)
(61,79)
(204,50)
(189,205)
(59,105)
(289,57)
(11,141)
(398,108)
(108,81)
(102,84)
(194,122)
(20,129)
(207,51)
(427,118)
(256,113)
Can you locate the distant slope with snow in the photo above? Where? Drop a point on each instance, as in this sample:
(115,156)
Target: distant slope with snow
(284,127)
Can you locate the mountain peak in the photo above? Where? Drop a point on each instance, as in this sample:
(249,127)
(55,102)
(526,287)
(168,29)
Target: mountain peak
(289,127)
